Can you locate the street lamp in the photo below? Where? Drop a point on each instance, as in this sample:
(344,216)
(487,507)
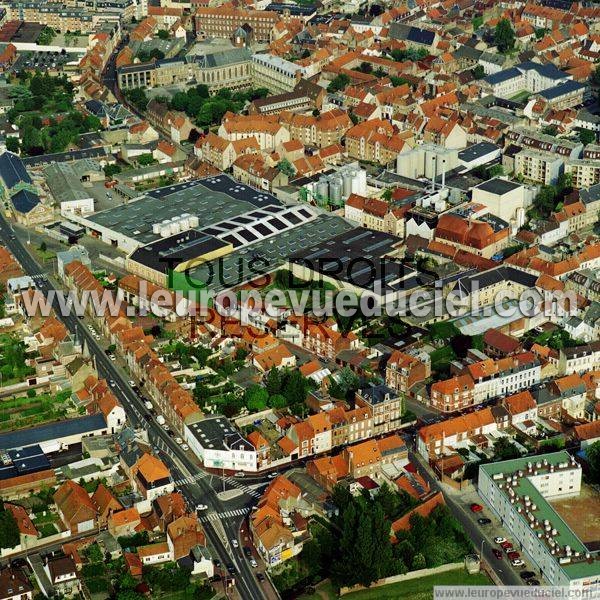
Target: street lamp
(481,549)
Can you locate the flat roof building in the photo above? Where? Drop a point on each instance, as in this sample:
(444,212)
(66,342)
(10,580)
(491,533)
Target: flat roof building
(519,493)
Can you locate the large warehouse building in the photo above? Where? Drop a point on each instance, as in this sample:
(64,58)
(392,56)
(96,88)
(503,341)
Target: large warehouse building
(218,231)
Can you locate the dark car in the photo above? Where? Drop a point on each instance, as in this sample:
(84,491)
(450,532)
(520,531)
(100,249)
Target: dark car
(484,521)
(230,568)
(247,551)
(216,562)
(260,577)
(527,575)
(497,553)
(533,582)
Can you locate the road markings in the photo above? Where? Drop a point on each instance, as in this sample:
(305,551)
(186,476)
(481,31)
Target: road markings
(213,516)
(240,486)
(189,480)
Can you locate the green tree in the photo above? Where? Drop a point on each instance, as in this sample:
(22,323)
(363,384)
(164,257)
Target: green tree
(478,72)
(504,36)
(545,201)
(273,381)
(110,170)
(43,247)
(137,97)
(145,159)
(163,34)
(595,76)
(9,530)
(180,101)
(255,398)
(338,83)
(504,449)
(587,137)
(477,22)
(286,167)
(592,455)
(277,401)
(12,144)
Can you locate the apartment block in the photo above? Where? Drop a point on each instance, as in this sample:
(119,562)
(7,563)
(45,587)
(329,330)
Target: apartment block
(386,406)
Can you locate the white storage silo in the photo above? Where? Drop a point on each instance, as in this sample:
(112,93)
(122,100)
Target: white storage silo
(323,190)
(156,228)
(194,222)
(362,182)
(347,184)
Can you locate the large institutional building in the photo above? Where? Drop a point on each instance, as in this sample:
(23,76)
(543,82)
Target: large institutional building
(519,493)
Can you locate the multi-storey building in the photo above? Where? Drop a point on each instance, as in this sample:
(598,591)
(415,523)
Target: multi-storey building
(224,22)
(452,394)
(541,167)
(518,492)
(60,16)
(385,405)
(375,141)
(224,69)
(324,130)
(402,371)
(276,74)
(585,172)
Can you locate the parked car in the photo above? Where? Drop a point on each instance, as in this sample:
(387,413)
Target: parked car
(476,508)
(253,563)
(230,569)
(201,507)
(497,553)
(235,543)
(185,447)
(499,540)
(513,555)
(533,582)
(527,575)
(517,562)
(178,440)
(506,545)
(247,551)
(484,521)
(260,577)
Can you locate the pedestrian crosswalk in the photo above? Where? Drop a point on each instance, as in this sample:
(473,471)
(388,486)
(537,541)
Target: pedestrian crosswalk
(244,488)
(213,516)
(189,480)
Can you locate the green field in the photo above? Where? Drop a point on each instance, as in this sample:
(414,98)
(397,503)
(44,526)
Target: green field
(416,589)
(420,589)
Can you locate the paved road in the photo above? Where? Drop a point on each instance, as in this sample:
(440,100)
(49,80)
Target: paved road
(479,535)
(219,532)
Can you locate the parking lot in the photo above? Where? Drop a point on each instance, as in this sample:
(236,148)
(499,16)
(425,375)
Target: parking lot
(44,60)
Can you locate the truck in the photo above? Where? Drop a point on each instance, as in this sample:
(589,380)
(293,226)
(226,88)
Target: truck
(160,420)
(148,404)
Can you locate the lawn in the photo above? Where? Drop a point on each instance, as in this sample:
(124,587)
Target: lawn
(420,589)
(16,413)
(47,529)
(521,96)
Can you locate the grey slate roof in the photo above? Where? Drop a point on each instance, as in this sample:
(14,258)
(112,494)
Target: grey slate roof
(51,431)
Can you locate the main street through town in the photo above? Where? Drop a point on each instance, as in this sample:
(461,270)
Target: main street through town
(223,517)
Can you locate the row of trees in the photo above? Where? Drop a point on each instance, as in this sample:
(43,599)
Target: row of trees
(356,547)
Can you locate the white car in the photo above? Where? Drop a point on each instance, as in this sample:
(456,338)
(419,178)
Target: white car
(185,447)
(499,540)
(273,475)
(166,427)
(517,562)
(201,507)
(178,440)
(113,357)
(112,383)
(131,382)
(253,563)
(235,544)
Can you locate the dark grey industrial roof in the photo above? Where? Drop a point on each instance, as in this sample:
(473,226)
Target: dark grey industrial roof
(46,159)
(477,151)
(217,433)
(51,431)
(167,253)
(25,201)
(12,170)
(498,186)
(401,31)
(479,281)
